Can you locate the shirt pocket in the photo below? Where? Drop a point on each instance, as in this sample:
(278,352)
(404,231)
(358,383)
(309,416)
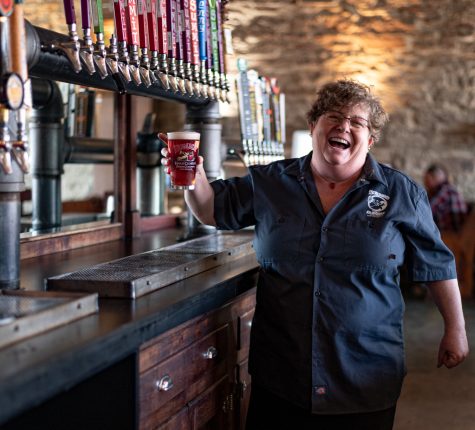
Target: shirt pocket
(367,244)
(279,239)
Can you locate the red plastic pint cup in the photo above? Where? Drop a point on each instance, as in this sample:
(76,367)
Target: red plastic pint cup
(183,154)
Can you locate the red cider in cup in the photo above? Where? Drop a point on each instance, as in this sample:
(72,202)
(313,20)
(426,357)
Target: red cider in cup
(183,153)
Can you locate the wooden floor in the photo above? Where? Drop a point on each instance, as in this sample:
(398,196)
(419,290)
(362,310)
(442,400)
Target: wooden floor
(432,398)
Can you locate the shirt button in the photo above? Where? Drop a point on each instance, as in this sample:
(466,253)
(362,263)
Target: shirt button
(324,229)
(317,293)
(320,260)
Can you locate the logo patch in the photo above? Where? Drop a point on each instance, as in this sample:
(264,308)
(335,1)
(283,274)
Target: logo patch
(377,204)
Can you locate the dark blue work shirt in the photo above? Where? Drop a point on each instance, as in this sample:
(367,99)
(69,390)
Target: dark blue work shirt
(327,333)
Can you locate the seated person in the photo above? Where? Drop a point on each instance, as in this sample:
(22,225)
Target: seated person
(448,206)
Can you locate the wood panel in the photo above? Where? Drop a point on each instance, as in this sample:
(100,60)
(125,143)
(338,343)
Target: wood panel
(67,240)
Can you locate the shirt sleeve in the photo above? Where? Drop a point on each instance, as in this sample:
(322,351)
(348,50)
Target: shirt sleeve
(428,258)
(234,203)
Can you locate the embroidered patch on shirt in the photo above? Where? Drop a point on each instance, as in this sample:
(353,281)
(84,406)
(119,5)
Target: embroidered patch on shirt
(377,204)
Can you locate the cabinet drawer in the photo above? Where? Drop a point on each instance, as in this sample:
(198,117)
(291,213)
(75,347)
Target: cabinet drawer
(180,421)
(166,387)
(214,408)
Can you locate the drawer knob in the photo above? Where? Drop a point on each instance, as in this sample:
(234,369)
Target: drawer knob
(165,383)
(210,353)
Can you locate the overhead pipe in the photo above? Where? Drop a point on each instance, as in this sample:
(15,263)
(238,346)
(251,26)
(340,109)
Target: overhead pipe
(45,61)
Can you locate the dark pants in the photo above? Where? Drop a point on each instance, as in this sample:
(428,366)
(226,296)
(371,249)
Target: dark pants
(269,412)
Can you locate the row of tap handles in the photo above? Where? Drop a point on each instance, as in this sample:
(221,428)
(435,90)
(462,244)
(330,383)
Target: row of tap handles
(176,44)
(261,152)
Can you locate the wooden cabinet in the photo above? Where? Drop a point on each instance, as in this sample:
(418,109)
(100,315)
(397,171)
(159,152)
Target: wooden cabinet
(194,377)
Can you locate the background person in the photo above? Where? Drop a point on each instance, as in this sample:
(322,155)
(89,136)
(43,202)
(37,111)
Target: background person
(332,230)
(447,204)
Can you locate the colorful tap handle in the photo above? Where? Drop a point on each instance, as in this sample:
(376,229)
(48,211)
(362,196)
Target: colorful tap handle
(202,29)
(18,42)
(69,11)
(86,14)
(219,18)
(152,23)
(132,22)
(97,17)
(195,50)
(120,21)
(171,28)
(6,7)
(209,45)
(162,24)
(178,31)
(143,24)
(186,30)
(213,22)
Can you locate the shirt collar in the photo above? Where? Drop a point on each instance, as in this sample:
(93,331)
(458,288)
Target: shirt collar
(372,171)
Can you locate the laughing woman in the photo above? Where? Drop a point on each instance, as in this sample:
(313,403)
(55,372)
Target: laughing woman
(332,230)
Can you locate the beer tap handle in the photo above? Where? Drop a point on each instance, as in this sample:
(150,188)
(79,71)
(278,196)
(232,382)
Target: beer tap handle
(222,71)
(71,47)
(20,66)
(69,12)
(152,26)
(209,56)
(194,45)
(168,81)
(202,41)
(87,50)
(133,39)
(100,49)
(147,76)
(119,42)
(171,31)
(214,63)
(185,38)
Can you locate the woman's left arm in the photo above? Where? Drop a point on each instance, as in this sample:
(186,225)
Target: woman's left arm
(454,345)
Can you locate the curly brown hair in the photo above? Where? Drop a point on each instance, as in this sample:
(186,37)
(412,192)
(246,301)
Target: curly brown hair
(347,92)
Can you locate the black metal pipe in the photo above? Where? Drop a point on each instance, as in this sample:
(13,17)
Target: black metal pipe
(88,150)
(10,234)
(46,141)
(45,62)
(11,184)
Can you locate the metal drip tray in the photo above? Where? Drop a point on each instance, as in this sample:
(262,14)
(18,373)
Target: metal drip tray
(136,275)
(27,313)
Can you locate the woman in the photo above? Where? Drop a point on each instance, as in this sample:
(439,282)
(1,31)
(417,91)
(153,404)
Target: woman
(332,230)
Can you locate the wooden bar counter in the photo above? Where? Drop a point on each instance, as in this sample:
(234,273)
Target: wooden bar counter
(136,363)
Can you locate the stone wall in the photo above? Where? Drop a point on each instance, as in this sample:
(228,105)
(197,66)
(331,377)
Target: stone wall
(418,55)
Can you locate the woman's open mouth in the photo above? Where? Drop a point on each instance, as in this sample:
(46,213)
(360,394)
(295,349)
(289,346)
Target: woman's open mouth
(339,143)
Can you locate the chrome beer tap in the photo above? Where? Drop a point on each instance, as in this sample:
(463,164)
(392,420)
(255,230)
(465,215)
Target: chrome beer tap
(100,52)
(86,52)
(117,67)
(71,47)
(137,73)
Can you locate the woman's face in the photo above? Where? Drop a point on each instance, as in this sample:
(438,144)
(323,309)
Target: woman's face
(341,139)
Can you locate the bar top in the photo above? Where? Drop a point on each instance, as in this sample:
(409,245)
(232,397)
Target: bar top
(35,369)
